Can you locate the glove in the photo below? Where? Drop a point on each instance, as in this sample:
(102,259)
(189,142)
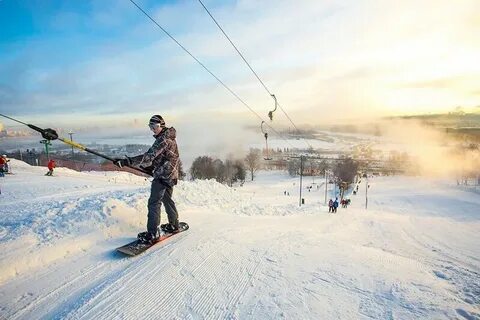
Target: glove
(148,170)
(123,162)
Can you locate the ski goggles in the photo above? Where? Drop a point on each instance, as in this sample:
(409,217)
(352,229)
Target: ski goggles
(154,126)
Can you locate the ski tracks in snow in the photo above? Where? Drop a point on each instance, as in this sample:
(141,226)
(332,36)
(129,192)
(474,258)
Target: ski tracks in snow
(206,281)
(460,271)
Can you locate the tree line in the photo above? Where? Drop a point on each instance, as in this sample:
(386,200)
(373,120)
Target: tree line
(227,171)
(233,170)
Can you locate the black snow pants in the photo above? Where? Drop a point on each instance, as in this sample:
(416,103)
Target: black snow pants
(160,193)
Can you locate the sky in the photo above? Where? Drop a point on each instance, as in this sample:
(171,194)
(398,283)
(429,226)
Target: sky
(103,63)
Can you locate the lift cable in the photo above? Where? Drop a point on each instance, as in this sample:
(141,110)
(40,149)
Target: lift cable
(207,69)
(253,71)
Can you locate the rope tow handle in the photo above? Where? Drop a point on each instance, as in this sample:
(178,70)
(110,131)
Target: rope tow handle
(50,134)
(270,113)
(265,134)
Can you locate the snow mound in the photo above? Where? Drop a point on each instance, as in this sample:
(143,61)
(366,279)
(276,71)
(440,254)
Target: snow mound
(236,200)
(19,164)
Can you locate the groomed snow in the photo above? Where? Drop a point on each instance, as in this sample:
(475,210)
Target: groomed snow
(250,252)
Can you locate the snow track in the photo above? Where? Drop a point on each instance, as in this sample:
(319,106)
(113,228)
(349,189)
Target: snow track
(211,277)
(249,253)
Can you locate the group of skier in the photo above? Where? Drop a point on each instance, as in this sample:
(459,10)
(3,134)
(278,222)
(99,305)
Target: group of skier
(333,204)
(4,168)
(345,203)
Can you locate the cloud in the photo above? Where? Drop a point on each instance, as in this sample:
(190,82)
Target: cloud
(324,60)
(436,83)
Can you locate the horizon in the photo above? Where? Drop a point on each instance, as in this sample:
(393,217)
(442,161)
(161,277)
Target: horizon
(9,125)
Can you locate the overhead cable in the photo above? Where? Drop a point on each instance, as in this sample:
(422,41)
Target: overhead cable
(207,69)
(250,67)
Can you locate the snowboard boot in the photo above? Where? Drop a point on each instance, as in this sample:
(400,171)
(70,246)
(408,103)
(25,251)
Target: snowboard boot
(170,228)
(148,238)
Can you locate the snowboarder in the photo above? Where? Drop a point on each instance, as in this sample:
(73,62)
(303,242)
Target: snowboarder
(51,165)
(330,205)
(162,160)
(335,205)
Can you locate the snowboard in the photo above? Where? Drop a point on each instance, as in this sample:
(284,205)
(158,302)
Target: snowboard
(135,247)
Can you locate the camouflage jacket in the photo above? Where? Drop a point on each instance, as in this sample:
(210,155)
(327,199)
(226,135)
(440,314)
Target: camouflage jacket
(162,157)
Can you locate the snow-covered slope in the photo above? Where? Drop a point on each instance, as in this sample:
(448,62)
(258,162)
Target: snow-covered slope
(250,253)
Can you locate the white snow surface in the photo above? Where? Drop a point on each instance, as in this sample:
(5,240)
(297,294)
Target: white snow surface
(250,252)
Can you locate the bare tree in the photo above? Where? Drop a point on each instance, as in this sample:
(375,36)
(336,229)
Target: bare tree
(229,171)
(240,172)
(294,167)
(219,169)
(202,168)
(181,173)
(346,170)
(252,161)
(324,166)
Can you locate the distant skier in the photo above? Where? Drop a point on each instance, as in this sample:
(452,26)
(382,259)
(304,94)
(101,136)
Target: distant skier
(51,165)
(335,205)
(162,159)
(330,205)
(3,165)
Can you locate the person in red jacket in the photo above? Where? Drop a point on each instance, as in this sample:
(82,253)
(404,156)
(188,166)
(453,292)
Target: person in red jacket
(3,165)
(51,165)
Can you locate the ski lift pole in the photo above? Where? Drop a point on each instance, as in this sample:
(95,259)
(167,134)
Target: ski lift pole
(326,186)
(311,172)
(366,191)
(301,176)
(50,134)
(46,143)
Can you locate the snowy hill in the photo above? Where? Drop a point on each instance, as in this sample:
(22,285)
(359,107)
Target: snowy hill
(250,253)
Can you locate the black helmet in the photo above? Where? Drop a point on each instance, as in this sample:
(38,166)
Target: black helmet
(157,119)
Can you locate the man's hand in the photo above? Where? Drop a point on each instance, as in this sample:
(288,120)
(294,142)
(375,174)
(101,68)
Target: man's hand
(148,170)
(123,162)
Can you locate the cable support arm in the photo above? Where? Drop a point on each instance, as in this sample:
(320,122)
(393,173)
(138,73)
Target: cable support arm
(50,134)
